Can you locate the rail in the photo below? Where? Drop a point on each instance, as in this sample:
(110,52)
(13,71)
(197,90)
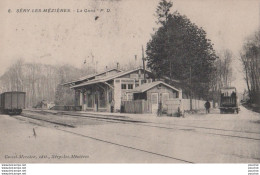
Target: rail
(66,108)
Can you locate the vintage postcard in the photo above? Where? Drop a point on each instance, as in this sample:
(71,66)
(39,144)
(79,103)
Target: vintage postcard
(130,81)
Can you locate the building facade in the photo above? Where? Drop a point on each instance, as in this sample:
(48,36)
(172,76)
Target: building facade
(154,95)
(106,91)
(110,90)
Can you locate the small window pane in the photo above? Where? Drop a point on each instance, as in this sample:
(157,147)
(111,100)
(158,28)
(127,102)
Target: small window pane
(123,86)
(130,86)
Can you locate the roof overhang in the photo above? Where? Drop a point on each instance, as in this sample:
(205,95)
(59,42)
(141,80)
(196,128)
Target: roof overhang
(105,79)
(86,78)
(153,85)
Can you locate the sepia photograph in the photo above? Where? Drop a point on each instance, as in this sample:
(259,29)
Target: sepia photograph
(130,81)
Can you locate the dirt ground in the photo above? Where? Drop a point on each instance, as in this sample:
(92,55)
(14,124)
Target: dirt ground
(197,138)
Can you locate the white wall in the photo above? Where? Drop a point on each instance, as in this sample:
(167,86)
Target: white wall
(196,104)
(117,94)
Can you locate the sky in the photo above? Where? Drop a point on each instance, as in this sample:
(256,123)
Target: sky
(118,32)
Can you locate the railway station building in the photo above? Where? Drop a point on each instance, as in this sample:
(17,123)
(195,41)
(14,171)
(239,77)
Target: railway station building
(146,98)
(109,90)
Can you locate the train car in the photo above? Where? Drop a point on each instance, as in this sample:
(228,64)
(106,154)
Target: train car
(228,100)
(12,102)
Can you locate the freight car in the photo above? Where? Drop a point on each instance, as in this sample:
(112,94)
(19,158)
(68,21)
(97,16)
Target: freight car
(228,100)
(12,102)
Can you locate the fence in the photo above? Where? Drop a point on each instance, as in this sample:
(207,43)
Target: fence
(172,106)
(196,104)
(136,106)
(184,105)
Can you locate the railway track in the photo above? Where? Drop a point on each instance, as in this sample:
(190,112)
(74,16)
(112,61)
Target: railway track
(187,128)
(31,117)
(138,121)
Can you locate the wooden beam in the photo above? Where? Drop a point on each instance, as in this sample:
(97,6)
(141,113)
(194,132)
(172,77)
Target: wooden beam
(108,85)
(100,86)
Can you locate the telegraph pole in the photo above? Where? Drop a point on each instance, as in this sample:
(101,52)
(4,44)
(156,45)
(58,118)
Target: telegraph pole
(135,66)
(190,91)
(143,62)
(117,65)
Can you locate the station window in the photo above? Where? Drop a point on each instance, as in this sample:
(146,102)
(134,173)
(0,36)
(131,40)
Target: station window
(130,86)
(123,86)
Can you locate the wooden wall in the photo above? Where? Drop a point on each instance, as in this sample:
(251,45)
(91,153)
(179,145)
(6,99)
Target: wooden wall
(163,89)
(136,107)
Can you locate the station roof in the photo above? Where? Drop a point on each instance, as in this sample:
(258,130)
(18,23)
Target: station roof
(107,78)
(91,76)
(146,86)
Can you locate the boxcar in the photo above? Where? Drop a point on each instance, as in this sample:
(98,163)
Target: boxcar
(228,100)
(12,102)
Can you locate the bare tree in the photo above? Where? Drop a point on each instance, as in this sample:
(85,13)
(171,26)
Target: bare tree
(223,72)
(39,81)
(250,57)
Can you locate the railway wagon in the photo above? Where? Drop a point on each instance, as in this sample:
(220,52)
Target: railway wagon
(228,100)
(12,102)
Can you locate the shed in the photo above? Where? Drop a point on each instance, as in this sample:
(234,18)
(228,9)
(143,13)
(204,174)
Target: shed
(152,94)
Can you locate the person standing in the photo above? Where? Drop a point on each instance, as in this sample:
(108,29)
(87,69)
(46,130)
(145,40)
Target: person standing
(207,106)
(159,112)
(160,107)
(112,104)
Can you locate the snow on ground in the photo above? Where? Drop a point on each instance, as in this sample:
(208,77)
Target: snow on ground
(19,145)
(230,144)
(199,138)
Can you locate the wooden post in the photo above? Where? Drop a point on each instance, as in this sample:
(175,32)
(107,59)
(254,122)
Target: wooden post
(75,98)
(107,99)
(143,61)
(190,91)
